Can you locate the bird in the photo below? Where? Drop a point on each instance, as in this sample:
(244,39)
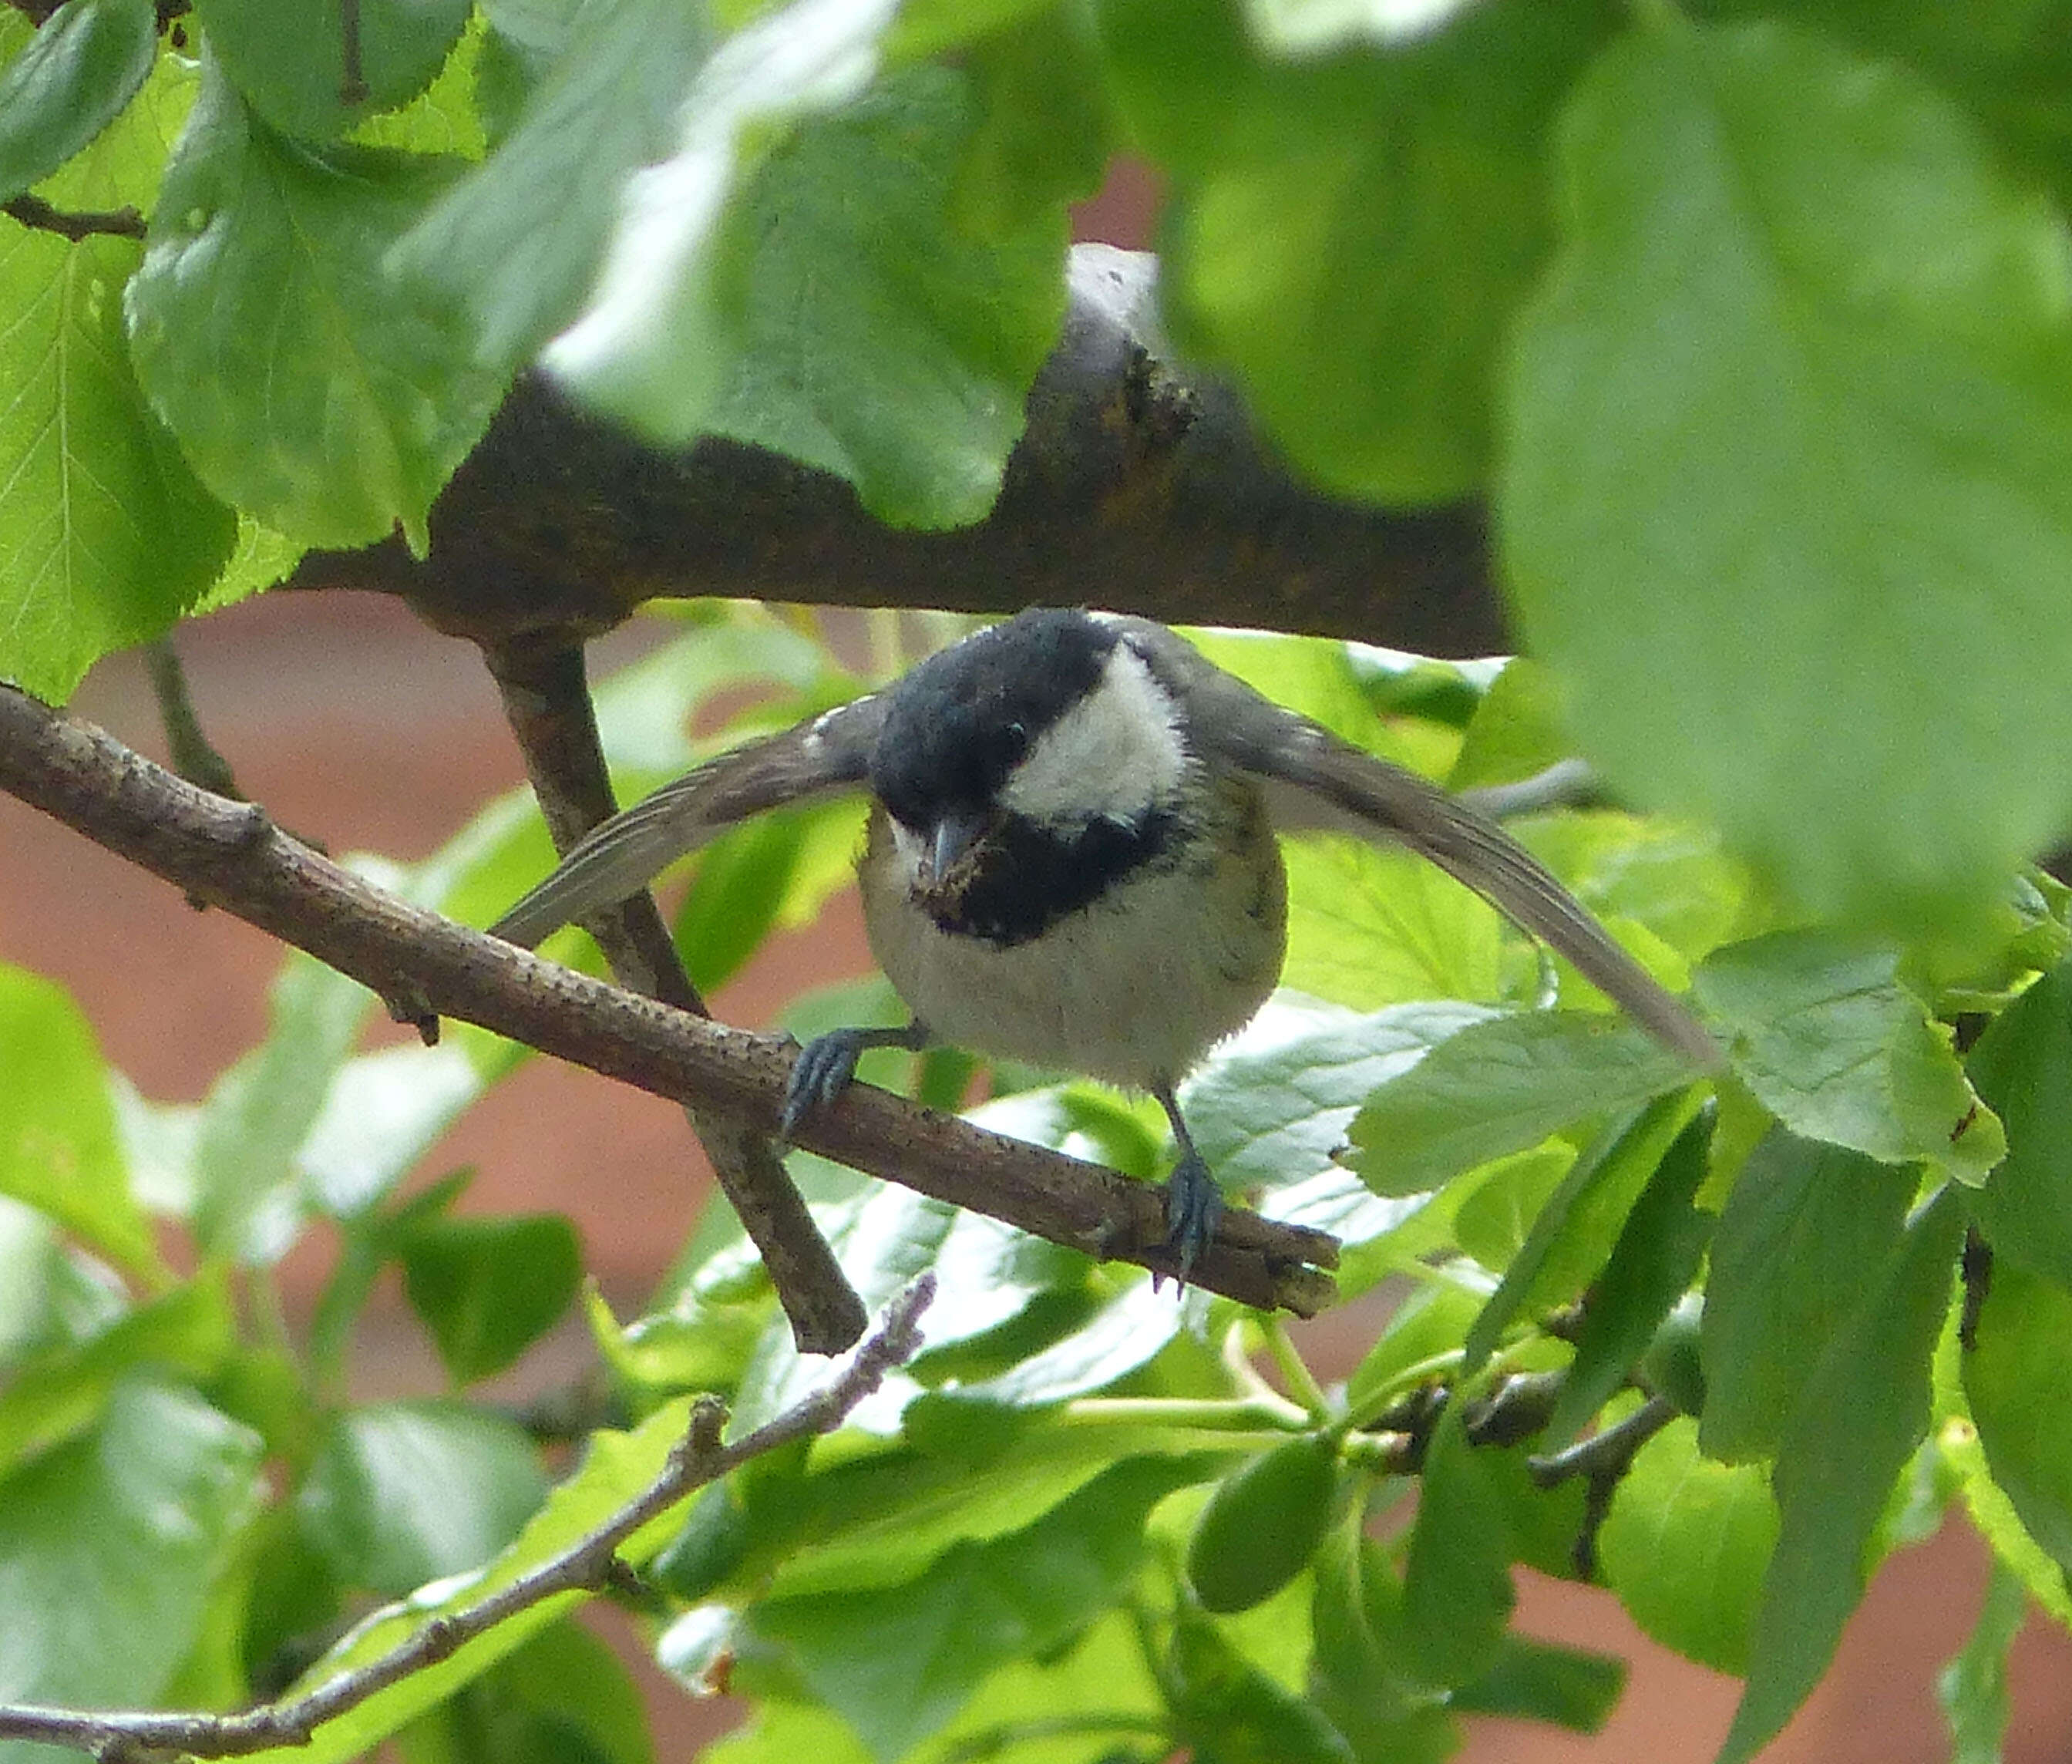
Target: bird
(1073,860)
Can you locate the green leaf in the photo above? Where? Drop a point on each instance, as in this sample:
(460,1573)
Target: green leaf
(1863,1410)
(1541,1681)
(1686,1545)
(1126,1332)
(615,1466)
(84,63)
(1369,929)
(829,312)
(306,385)
(1432,1320)
(402,1493)
(288,60)
(262,1110)
(1352,233)
(1358,1671)
(1973,1688)
(59,1393)
(2015,1381)
(1807,341)
(1832,1045)
(110,1547)
(1502,1086)
(58,1152)
(382,1112)
(2022,1066)
(562,1698)
(487,1288)
(899,1662)
(1790,1256)
(1577,1228)
(1225,1710)
(110,538)
(1457,1590)
(1655,1256)
(1043,134)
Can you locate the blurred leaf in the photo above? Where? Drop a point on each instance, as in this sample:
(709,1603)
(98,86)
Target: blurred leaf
(309,388)
(828,311)
(1494,1219)
(58,1152)
(1351,232)
(1358,1671)
(2022,1066)
(261,1111)
(1043,134)
(1805,1225)
(288,58)
(1457,1590)
(1657,1254)
(614,1467)
(1126,1332)
(899,1662)
(1431,1320)
(74,76)
(402,1493)
(562,1698)
(66,1389)
(1225,1710)
(382,1112)
(1833,1045)
(1369,929)
(110,537)
(1973,1688)
(1542,1681)
(1863,1410)
(1686,1545)
(110,1545)
(487,1288)
(1779,255)
(2015,1377)
(1502,1086)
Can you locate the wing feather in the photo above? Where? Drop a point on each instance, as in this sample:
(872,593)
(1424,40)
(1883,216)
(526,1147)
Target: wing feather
(821,757)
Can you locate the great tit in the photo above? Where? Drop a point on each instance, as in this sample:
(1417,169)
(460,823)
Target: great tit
(1073,858)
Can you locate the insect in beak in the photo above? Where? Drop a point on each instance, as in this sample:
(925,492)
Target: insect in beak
(955,834)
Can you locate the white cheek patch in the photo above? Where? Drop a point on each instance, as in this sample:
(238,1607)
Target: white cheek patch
(1115,754)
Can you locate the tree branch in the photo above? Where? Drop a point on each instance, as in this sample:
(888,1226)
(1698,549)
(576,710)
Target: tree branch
(34,212)
(587,1565)
(231,856)
(1138,485)
(546,700)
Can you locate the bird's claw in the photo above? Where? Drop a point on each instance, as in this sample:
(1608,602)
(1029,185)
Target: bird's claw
(1194,1205)
(824,1068)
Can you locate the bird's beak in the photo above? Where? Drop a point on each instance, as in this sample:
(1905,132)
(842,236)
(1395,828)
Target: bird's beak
(955,834)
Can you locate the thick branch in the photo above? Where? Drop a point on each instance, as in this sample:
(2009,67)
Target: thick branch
(546,698)
(231,856)
(587,1565)
(1138,486)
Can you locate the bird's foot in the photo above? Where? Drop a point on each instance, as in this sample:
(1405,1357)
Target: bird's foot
(825,1068)
(1194,1204)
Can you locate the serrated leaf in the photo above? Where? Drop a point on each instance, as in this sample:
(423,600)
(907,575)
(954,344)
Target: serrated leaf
(2022,1066)
(487,1288)
(1807,340)
(1790,1256)
(1861,1413)
(1502,1086)
(287,57)
(1830,1042)
(1686,1545)
(403,1493)
(85,62)
(317,393)
(58,1152)
(111,1545)
(826,311)
(106,536)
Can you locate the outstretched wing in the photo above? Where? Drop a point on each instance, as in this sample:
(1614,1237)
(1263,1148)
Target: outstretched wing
(818,758)
(1313,781)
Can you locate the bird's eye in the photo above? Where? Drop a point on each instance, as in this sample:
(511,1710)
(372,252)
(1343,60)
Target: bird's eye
(1018,738)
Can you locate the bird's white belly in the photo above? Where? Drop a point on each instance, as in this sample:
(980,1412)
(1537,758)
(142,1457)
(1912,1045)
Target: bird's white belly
(1132,989)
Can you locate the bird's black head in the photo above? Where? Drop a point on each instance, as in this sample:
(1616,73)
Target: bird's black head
(960,723)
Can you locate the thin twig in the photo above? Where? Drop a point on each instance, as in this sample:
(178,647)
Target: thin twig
(231,856)
(71,223)
(587,1565)
(546,700)
(194,756)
